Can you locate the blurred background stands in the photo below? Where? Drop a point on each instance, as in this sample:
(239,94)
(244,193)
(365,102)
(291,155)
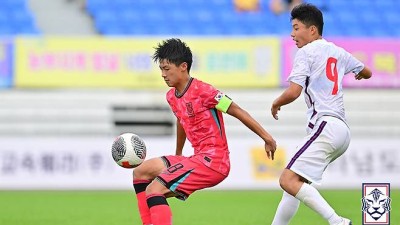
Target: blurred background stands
(189,17)
(99,112)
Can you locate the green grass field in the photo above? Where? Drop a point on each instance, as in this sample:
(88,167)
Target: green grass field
(202,208)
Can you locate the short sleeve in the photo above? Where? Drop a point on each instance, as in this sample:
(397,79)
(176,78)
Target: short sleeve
(301,68)
(208,94)
(213,98)
(223,102)
(352,64)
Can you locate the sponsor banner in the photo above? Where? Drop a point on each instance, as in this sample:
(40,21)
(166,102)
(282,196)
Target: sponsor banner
(87,163)
(365,161)
(66,163)
(6,57)
(127,62)
(380,55)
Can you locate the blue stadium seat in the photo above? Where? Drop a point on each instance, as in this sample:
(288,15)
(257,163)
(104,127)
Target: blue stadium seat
(347,18)
(226,15)
(107,22)
(92,6)
(137,29)
(371,18)
(322,4)
(26,30)
(202,15)
(213,17)
(21,16)
(391,16)
(16,18)
(379,31)
(340,5)
(178,15)
(4,16)
(210,28)
(384,5)
(13,4)
(332,32)
(130,16)
(353,31)
(112,30)
(6,30)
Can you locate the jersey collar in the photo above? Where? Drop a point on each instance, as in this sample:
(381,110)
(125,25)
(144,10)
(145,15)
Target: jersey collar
(178,95)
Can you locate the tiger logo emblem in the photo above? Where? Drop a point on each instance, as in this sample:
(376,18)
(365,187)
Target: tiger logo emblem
(376,204)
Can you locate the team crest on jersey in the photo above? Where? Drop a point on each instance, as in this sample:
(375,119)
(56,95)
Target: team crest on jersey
(376,203)
(189,109)
(219,96)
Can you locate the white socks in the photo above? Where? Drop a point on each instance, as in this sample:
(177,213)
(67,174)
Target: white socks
(313,199)
(286,210)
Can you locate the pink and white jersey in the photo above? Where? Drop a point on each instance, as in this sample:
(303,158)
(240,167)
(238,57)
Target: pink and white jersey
(202,122)
(319,67)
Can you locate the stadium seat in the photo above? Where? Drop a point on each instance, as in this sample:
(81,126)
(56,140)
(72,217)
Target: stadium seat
(130,16)
(340,5)
(16,18)
(13,4)
(4,16)
(384,5)
(201,17)
(92,6)
(6,30)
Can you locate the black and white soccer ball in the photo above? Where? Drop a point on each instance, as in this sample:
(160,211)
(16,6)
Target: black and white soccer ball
(128,150)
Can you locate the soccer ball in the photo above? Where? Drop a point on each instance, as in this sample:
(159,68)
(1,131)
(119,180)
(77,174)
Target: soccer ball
(128,150)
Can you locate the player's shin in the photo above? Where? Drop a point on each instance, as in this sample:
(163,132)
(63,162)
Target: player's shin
(287,208)
(160,211)
(140,189)
(313,199)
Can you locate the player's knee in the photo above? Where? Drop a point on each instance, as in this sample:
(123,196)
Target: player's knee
(139,173)
(155,188)
(151,189)
(284,181)
(149,169)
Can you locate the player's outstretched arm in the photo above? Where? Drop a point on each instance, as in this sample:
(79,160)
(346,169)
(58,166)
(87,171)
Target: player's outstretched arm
(242,115)
(289,95)
(364,74)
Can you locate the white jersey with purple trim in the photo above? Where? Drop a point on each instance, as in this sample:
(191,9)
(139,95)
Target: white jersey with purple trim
(319,67)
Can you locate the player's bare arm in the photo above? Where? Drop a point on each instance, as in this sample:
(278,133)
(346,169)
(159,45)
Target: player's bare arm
(364,74)
(289,95)
(242,115)
(180,138)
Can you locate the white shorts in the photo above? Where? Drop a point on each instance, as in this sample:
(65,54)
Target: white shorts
(328,140)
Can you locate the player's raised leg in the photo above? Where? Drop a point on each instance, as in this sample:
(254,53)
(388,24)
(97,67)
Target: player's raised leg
(142,176)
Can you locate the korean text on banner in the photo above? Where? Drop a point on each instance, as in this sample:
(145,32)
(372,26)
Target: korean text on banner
(237,62)
(127,62)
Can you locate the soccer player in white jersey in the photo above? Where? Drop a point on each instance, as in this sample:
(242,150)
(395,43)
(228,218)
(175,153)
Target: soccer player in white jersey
(318,70)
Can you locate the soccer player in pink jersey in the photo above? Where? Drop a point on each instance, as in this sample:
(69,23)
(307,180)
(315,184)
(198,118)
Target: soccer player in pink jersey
(318,69)
(198,107)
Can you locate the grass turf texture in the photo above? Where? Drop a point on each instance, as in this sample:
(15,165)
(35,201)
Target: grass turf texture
(202,208)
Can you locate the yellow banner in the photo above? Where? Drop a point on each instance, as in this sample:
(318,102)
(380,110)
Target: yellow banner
(264,168)
(127,62)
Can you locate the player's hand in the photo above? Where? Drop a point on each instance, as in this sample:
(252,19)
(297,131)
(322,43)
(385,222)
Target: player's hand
(359,76)
(270,147)
(274,110)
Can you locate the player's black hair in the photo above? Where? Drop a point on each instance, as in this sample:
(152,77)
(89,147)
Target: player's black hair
(309,15)
(174,51)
